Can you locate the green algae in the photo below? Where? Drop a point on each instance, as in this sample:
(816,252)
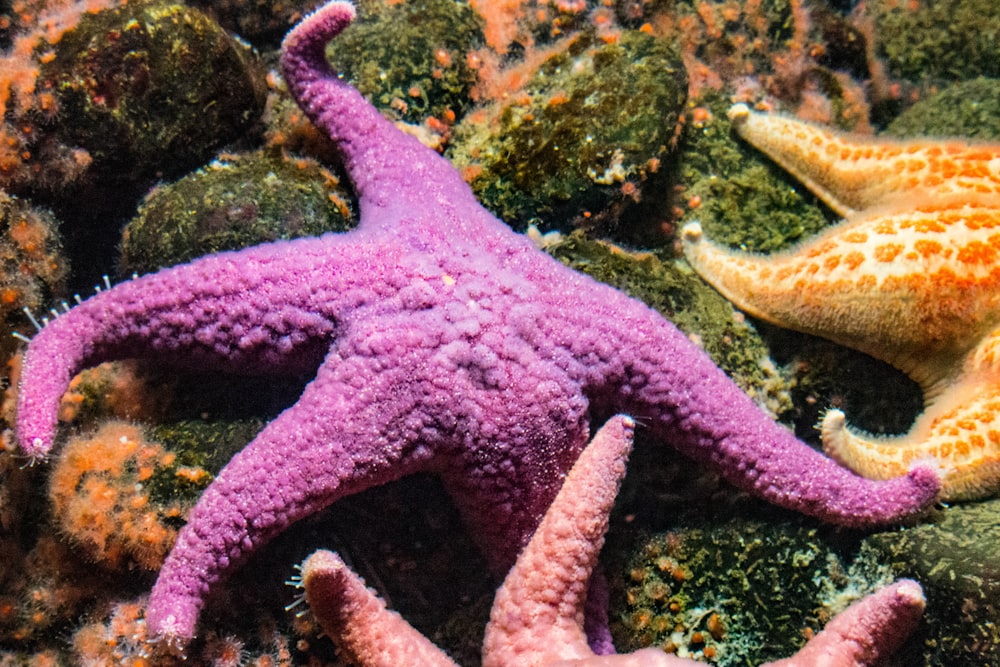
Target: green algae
(197,444)
(235,202)
(598,121)
(745,200)
(152,88)
(683,298)
(944,40)
(953,557)
(410,58)
(737,591)
(965,109)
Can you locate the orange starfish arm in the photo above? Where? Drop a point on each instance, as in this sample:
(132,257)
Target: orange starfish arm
(853,175)
(912,277)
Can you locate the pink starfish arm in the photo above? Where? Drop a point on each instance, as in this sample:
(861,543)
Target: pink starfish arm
(537,616)
(541,602)
(358,620)
(374,636)
(865,633)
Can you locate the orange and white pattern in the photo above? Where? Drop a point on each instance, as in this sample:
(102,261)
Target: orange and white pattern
(911,276)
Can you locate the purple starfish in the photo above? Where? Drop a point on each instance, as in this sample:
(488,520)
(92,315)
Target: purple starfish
(444,342)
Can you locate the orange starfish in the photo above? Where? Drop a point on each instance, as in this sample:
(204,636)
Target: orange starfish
(912,277)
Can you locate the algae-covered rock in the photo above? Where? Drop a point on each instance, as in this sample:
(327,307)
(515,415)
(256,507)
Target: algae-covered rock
(683,298)
(943,40)
(587,130)
(235,202)
(151,88)
(954,559)
(736,592)
(966,109)
(410,57)
(739,196)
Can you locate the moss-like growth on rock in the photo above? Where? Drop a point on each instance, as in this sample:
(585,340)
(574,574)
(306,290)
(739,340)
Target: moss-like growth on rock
(151,88)
(954,559)
(589,128)
(944,40)
(739,196)
(739,592)
(967,109)
(235,202)
(410,58)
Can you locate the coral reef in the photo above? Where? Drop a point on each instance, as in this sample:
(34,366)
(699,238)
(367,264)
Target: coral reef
(800,54)
(261,22)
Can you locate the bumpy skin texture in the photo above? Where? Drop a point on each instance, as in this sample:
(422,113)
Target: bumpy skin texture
(912,277)
(537,615)
(865,633)
(357,619)
(451,345)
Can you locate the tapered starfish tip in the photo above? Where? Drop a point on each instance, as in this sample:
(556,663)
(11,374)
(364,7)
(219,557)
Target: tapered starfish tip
(692,233)
(738,112)
(910,594)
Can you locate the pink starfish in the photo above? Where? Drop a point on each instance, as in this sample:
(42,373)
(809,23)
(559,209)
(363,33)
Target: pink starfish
(537,616)
(442,341)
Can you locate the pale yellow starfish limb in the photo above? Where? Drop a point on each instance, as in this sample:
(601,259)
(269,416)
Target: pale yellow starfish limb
(911,277)
(958,435)
(853,174)
(917,288)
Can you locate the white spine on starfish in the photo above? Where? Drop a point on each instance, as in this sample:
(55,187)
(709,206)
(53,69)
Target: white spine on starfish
(958,435)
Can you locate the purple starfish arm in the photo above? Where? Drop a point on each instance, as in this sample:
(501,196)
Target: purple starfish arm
(443,342)
(200,315)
